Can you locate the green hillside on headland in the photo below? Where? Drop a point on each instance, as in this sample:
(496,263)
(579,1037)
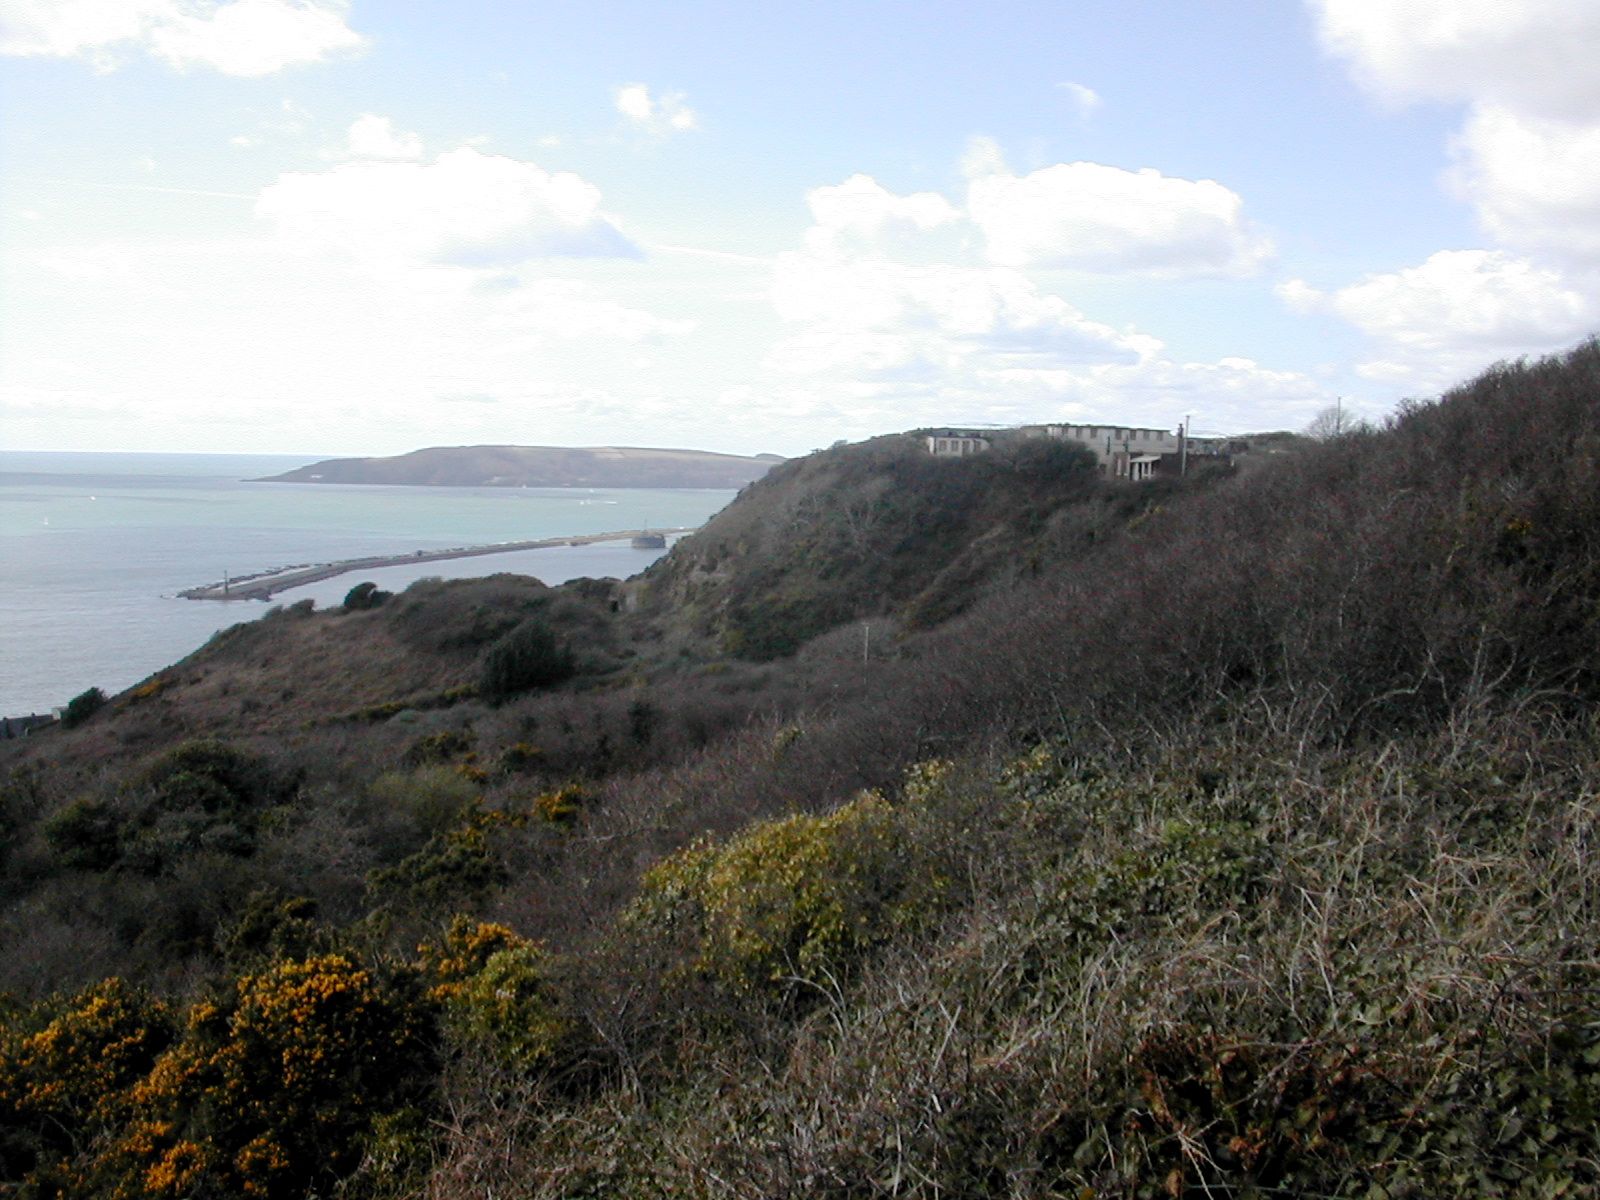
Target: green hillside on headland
(924,828)
(540,466)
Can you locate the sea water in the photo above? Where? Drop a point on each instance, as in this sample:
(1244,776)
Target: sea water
(95,547)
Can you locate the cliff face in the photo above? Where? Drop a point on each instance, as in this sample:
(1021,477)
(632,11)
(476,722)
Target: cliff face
(540,466)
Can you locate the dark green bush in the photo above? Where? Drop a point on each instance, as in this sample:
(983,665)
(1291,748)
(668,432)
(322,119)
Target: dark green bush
(526,658)
(83,706)
(363,596)
(440,617)
(269,928)
(201,797)
(211,775)
(83,836)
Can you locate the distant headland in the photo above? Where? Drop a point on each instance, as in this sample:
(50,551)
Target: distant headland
(540,466)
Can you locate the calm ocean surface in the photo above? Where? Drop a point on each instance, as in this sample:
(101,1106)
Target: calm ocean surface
(94,548)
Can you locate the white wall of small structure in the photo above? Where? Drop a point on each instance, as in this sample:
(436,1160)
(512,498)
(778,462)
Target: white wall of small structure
(955,445)
(1106,440)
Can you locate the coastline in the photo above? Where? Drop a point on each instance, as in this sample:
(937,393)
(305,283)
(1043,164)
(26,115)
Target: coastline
(263,585)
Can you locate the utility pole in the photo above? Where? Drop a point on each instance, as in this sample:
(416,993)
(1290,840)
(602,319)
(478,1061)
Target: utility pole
(866,640)
(1183,447)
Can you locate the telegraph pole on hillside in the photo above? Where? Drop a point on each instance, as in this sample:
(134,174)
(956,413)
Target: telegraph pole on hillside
(1183,447)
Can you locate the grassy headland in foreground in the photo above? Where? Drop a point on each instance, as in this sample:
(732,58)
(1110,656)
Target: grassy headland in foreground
(1217,838)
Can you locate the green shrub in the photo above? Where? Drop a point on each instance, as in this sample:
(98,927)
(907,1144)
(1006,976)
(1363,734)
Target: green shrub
(83,706)
(270,927)
(410,807)
(200,796)
(526,658)
(363,596)
(495,992)
(84,836)
(793,900)
(212,776)
(455,868)
(440,617)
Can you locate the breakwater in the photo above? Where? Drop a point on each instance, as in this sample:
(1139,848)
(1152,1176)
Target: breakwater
(263,585)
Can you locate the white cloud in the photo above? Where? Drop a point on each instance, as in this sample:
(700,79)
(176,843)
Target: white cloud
(69,28)
(1534,55)
(375,137)
(875,317)
(563,308)
(1466,297)
(465,209)
(633,102)
(254,37)
(1454,314)
(1535,181)
(982,157)
(1528,154)
(861,213)
(665,114)
(1230,395)
(183,334)
(1299,296)
(242,37)
(1093,217)
(867,299)
(1527,158)
(899,391)
(1085,100)
(898,335)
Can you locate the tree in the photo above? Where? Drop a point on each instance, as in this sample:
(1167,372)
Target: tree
(1335,422)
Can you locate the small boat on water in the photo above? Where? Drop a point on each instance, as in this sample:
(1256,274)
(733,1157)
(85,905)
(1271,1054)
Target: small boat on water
(649,541)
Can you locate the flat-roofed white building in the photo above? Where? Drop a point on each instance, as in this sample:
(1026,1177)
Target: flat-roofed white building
(1123,451)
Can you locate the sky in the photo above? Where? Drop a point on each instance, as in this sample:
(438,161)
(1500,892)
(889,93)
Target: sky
(326,227)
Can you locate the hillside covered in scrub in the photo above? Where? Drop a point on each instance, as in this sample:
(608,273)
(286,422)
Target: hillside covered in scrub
(882,528)
(1226,837)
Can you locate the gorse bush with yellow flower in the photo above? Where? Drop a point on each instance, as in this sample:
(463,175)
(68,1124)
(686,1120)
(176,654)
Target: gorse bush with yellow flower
(790,901)
(66,1074)
(273,1085)
(279,1084)
(495,991)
